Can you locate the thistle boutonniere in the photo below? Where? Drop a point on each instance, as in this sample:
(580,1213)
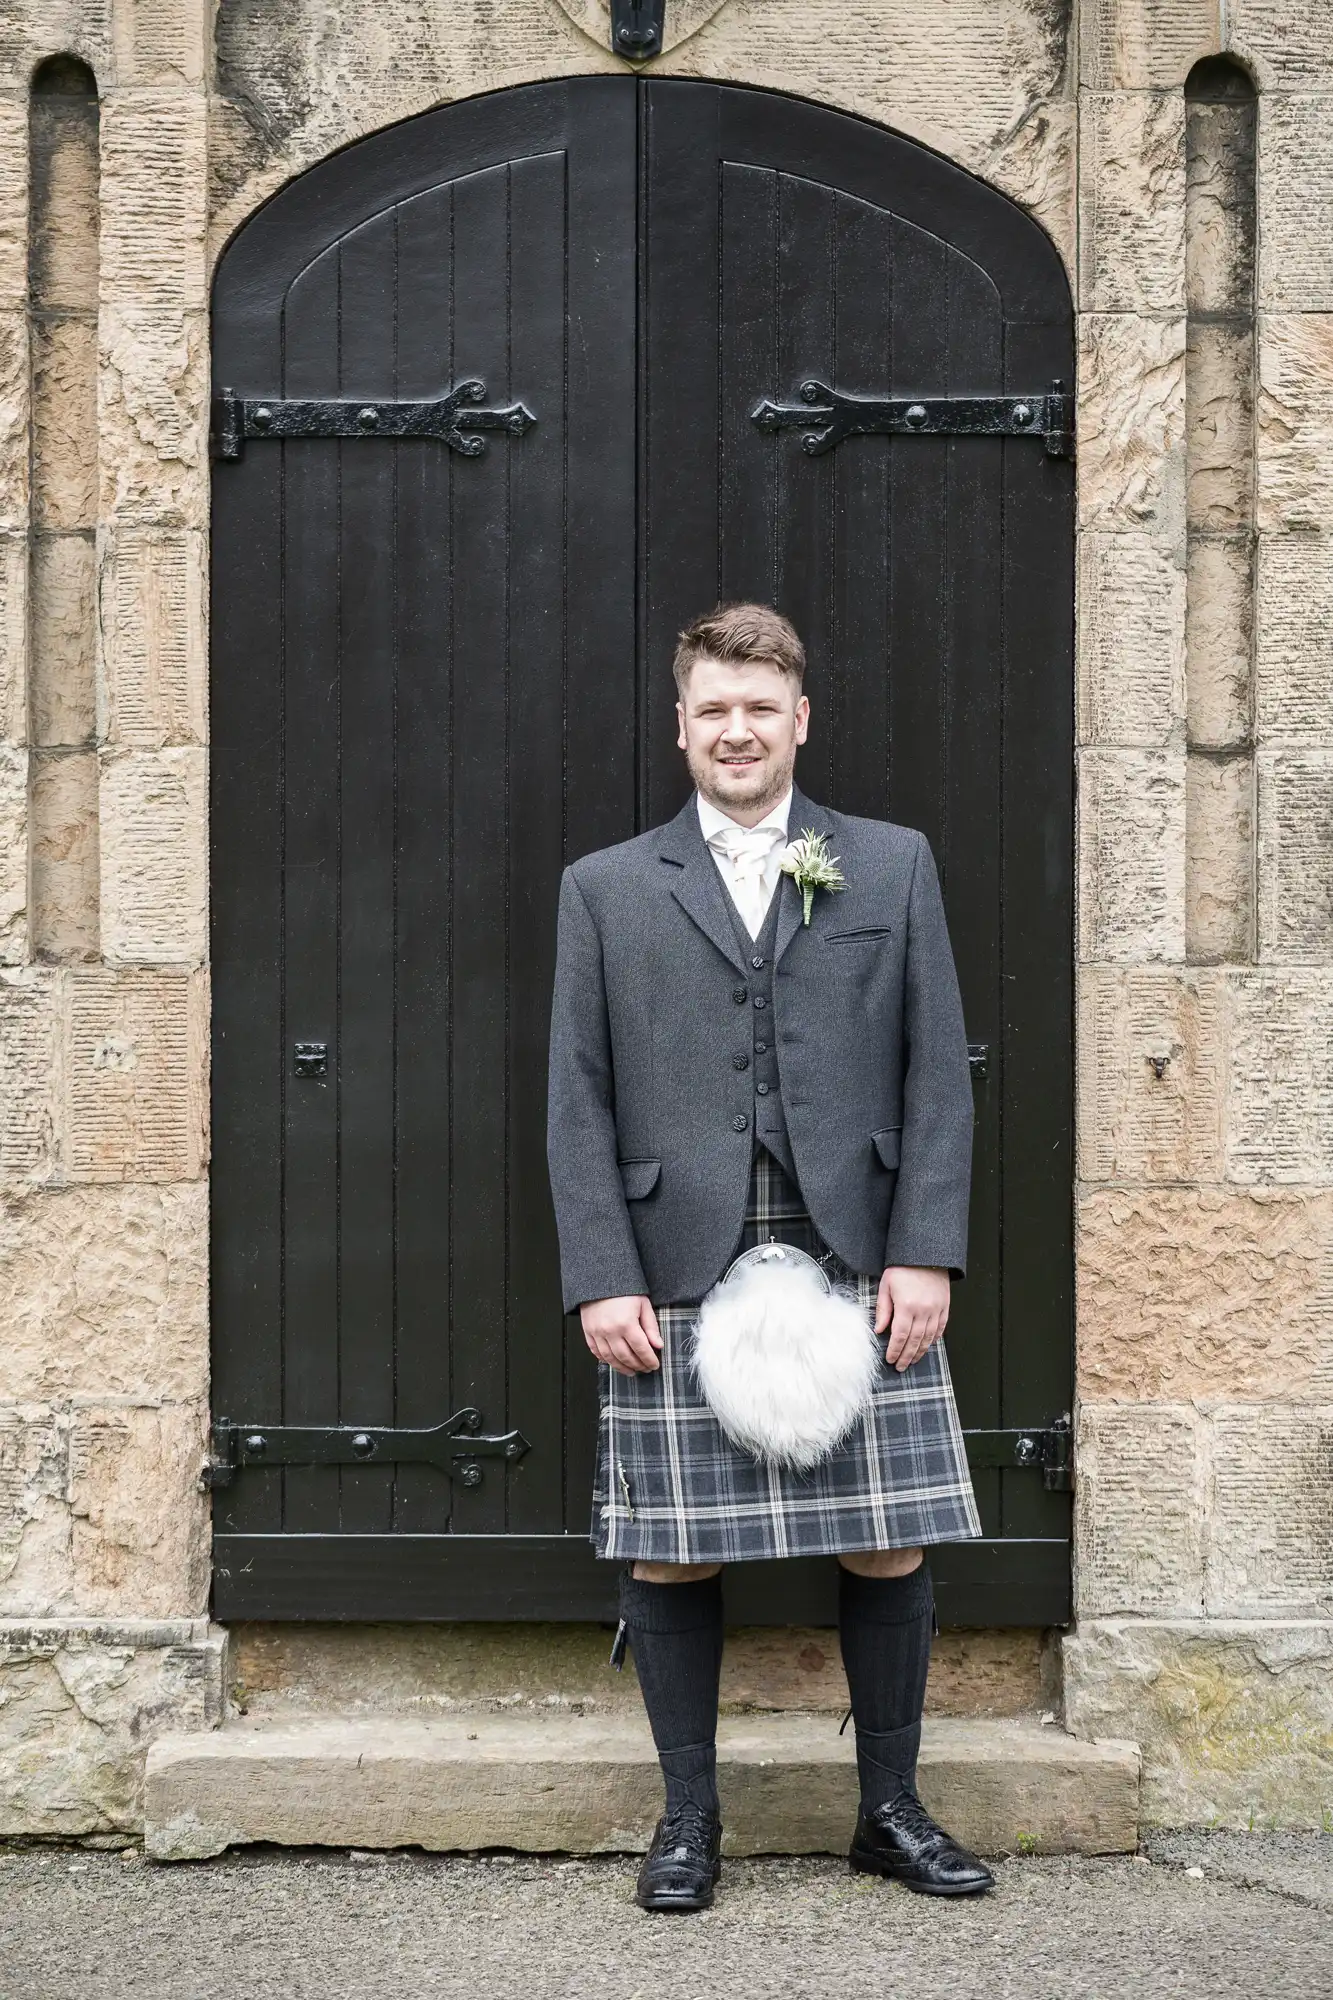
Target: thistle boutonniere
(812,867)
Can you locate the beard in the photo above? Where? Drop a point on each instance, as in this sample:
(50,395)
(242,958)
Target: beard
(764,786)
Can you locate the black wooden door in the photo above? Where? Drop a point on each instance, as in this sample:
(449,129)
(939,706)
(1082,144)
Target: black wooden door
(438,671)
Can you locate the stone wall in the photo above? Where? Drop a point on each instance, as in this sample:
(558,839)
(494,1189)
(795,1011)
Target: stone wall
(1205,1198)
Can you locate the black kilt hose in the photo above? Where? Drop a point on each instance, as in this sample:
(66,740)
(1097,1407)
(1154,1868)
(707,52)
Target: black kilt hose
(671,1487)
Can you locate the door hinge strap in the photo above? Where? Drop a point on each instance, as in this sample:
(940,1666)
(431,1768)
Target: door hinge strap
(454,1446)
(1049,1451)
(826,416)
(637,27)
(455,419)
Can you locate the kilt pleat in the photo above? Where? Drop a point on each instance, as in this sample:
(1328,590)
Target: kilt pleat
(671,1487)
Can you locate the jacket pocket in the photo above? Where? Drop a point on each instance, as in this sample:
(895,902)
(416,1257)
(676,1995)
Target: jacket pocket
(888,1144)
(867,936)
(639,1177)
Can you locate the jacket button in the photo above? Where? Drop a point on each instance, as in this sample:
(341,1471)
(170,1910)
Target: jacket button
(740,1062)
(758,964)
(759,1000)
(739,1122)
(740,994)
(761,1090)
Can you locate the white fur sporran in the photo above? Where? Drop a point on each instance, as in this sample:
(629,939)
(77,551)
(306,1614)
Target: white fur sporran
(785,1360)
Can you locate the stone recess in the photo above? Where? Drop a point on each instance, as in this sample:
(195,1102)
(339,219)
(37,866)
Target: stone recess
(1131,447)
(1132,202)
(1219,829)
(297,1668)
(1131,641)
(82,1702)
(103,1293)
(100,1510)
(1141,1499)
(1234,1720)
(13,638)
(154,820)
(1131,855)
(1188,1293)
(1135,1123)
(591,1785)
(1220,614)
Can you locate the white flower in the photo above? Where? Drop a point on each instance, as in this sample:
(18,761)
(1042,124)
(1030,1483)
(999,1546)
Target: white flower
(811,867)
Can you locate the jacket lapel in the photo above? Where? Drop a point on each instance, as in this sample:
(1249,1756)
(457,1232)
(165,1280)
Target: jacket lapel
(804,816)
(696,884)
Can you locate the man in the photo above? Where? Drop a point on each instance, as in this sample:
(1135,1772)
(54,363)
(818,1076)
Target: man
(722,1073)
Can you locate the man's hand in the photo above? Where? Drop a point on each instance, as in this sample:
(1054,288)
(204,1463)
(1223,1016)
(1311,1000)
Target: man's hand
(914,1303)
(623,1333)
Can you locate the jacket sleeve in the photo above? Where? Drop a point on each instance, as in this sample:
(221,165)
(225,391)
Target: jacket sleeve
(598,1255)
(928,1220)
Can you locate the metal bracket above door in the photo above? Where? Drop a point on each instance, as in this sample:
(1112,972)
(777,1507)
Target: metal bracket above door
(827,417)
(455,419)
(453,1447)
(637,27)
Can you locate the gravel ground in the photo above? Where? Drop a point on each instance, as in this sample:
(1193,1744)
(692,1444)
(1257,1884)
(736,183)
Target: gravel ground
(89,1926)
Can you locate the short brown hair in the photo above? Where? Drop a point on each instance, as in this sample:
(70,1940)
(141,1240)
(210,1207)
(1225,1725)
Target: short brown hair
(742,635)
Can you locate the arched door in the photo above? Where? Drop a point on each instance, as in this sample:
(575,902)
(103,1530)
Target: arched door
(505,394)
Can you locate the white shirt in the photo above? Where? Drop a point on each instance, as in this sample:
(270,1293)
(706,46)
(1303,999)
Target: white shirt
(747,857)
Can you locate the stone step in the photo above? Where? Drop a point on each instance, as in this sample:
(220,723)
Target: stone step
(590,1785)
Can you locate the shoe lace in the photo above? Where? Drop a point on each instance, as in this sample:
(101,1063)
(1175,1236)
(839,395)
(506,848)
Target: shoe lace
(907,1815)
(686,1825)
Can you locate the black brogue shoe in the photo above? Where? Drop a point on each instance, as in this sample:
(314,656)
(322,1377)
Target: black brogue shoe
(902,1841)
(683,1864)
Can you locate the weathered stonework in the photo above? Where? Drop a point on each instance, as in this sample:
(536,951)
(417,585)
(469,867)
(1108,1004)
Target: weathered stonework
(1187,1293)
(1234,1720)
(81,1702)
(1205,671)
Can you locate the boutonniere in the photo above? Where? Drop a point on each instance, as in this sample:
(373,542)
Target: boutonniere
(812,867)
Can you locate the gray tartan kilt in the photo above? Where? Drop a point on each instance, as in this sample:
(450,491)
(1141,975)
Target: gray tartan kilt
(671,1487)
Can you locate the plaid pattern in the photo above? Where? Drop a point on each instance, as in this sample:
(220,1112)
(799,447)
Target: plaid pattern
(671,1487)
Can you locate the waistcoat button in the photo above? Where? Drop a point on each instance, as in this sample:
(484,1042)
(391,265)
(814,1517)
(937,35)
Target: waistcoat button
(758,964)
(759,1000)
(761,1089)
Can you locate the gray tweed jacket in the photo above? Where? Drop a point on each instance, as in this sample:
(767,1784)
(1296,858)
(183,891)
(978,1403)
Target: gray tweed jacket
(648,1169)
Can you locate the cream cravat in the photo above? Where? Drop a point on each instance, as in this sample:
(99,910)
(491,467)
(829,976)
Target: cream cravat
(750,870)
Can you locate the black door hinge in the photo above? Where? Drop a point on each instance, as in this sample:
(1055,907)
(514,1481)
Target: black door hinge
(456,419)
(826,417)
(978,1057)
(1049,1451)
(453,1447)
(637,27)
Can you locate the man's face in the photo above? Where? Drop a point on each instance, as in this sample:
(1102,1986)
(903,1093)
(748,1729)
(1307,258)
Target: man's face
(739,728)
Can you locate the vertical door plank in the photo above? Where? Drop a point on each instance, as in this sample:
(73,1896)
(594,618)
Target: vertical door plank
(1037,1079)
(248,1071)
(313,589)
(969,851)
(600,721)
(852,690)
(538,528)
(424,622)
(481,779)
(367,931)
(749,369)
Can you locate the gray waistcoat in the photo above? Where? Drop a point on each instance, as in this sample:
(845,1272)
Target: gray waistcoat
(769,1120)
